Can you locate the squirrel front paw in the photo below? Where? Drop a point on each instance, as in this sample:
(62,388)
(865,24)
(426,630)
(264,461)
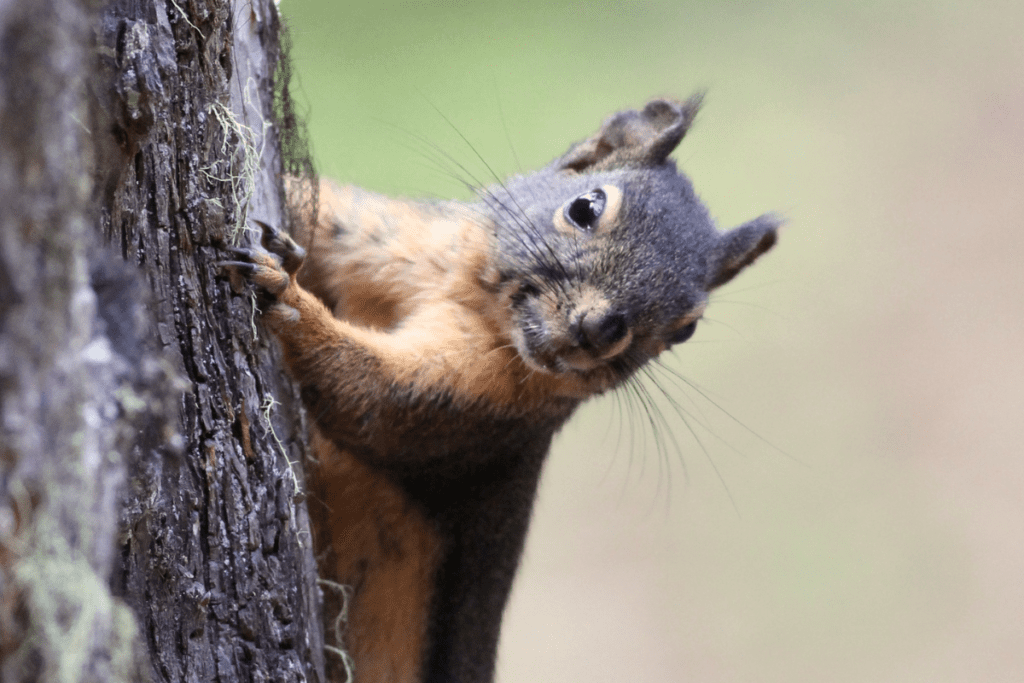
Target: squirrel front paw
(281,244)
(270,267)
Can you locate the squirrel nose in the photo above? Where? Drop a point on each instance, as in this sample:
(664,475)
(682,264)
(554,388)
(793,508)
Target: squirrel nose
(599,330)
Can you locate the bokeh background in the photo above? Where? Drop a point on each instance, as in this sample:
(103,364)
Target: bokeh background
(846,499)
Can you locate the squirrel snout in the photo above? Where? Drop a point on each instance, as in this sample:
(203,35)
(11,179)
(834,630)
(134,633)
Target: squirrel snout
(604,332)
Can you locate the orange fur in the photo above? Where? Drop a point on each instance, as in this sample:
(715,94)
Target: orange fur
(427,307)
(386,552)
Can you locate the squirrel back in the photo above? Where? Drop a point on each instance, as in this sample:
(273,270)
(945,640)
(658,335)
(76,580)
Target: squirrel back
(439,347)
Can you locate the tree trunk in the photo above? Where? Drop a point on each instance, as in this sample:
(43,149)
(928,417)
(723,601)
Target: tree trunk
(151,446)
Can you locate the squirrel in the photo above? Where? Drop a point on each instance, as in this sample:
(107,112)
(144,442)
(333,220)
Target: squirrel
(440,346)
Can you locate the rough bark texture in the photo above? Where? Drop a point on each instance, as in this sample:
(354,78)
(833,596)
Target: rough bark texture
(153,373)
(66,388)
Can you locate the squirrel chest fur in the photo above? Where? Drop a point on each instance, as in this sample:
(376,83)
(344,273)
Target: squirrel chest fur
(439,347)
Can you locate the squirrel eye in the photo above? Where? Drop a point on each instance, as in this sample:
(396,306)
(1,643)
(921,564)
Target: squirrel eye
(584,211)
(683,333)
(523,292)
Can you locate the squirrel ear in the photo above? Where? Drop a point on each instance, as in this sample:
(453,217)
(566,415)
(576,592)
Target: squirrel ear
(634,138)
(738,248)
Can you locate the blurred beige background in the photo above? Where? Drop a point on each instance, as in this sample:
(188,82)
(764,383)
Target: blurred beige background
(878,535)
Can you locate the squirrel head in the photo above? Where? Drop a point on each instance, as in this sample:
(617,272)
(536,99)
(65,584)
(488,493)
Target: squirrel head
(606,257)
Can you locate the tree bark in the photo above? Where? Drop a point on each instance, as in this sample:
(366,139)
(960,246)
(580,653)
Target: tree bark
(152,521)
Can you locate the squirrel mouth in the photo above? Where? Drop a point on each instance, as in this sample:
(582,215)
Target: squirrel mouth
(581,335)
(556,355)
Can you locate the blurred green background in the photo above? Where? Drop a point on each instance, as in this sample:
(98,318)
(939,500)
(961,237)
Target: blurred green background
(879,346)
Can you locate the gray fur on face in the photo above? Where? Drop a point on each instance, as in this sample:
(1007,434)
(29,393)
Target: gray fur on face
(657,260)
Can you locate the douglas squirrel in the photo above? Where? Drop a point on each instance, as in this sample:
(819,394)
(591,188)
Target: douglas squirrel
(439,347)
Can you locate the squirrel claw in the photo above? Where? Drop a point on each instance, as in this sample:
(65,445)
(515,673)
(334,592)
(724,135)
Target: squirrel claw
(259,267)
(244,254)
(282,245)
(243,268)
